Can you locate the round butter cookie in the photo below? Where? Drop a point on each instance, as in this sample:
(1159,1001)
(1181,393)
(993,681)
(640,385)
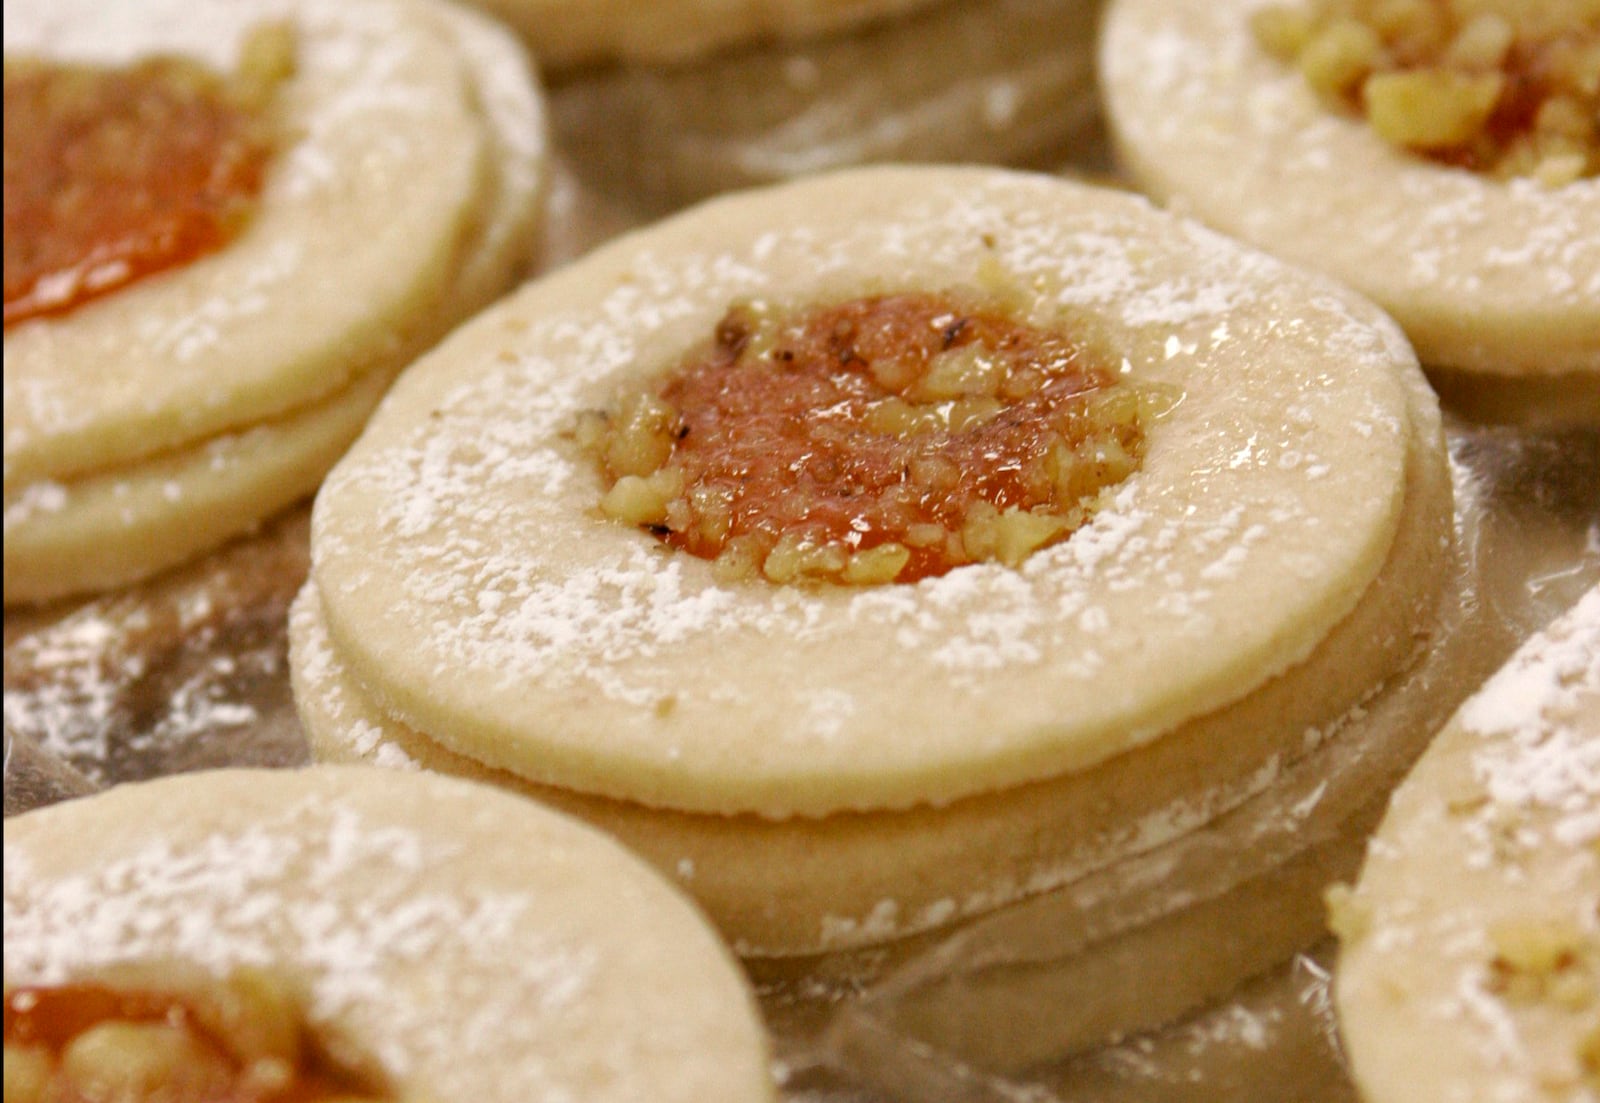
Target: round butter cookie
(450,941)
(879,759)
(326,290)
(1494,275)
(1470,947)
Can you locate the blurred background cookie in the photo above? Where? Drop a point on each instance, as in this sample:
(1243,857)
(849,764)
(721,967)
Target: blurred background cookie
(1440,157)
(185,357)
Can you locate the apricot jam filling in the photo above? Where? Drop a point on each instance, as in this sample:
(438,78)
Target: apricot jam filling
(240,1039)
(1504,87)
(112,174)
(882,439)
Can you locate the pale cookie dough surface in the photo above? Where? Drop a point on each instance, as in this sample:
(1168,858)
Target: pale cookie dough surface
(802,885)
(106,530)
(475,945)
(110,526)
(366,209)
(564,33)
(1485,276)
(1470,966)
(470,583)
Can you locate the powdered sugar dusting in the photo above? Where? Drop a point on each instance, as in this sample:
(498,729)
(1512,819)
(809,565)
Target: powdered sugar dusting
(1476,925)
(348,905)
(370,94)
(469,505)
(1206,119)
(1540,717)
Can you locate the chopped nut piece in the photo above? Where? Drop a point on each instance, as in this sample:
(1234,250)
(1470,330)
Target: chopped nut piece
(1430,109)
(1339,57)
(1512,89)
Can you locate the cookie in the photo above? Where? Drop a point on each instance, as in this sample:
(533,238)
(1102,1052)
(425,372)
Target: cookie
(1008,82)
(1470,946)
(457,942)
(835,765)
(567,33)
(293,325)
(1491,278)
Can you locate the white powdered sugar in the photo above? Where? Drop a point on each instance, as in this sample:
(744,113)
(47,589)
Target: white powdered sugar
(467,522)
(1540,717)
(1206,119)
(1476,925)
(276,894)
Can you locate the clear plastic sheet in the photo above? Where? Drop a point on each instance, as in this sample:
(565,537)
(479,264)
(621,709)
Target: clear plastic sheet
(189,671)
(993,81)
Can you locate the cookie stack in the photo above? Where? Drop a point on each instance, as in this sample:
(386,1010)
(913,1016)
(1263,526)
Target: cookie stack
(830,767)
(399,191)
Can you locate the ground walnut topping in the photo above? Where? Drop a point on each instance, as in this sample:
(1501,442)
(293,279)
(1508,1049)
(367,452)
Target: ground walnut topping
(144,1034)
(1505,87)
(112,174)
(882,439)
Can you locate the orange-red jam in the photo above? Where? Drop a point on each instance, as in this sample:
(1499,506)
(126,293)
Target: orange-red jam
(238,1040)
(112,174)
(882,439)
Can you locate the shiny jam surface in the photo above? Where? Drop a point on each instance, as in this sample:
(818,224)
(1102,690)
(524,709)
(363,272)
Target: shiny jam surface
(238,1041)
(112,174)
(882,439)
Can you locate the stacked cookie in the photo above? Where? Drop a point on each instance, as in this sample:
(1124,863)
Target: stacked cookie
(1006,82)
(399,192)
(831,766)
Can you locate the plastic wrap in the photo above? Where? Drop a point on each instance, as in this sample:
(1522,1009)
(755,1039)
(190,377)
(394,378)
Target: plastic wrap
(995,81)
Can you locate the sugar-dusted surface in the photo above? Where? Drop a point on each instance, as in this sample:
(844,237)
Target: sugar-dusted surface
(383,151)
(104,673)
(1472,943)
(1496,277)
(476,946)
(111,528)
(470,583)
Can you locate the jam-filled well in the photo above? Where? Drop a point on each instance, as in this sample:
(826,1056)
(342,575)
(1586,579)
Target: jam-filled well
(1504,87)
(237,1039)
(115,173)
(881,439)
